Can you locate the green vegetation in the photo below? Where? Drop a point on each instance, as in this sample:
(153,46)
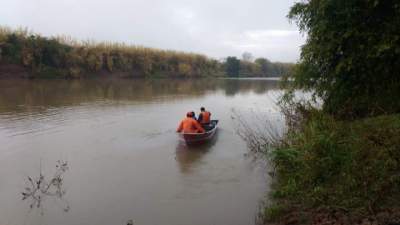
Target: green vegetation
(343,155)
(261,67)
(64,57)
(352,56)
(352,166)
(232,66)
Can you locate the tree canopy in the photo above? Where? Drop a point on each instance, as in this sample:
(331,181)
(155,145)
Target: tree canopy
(232,66)
(351,59)
(261,67)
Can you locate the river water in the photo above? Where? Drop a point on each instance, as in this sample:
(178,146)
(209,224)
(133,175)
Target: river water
(125,161)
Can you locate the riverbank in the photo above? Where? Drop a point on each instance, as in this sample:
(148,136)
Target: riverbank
(329,171)
(15,71)
(24,54)
(63,57)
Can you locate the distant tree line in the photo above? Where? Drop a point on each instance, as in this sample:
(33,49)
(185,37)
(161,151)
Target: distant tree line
(64,57)
(260,67)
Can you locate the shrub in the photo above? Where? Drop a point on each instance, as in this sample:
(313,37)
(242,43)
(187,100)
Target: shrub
(351,59)
(340,164)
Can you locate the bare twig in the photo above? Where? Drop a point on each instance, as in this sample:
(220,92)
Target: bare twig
(40,188)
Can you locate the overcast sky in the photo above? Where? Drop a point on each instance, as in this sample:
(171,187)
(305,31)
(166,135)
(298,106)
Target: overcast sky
(217,28)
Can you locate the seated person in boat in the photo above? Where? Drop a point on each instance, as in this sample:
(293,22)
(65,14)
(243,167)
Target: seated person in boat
(204,118)
(190,125)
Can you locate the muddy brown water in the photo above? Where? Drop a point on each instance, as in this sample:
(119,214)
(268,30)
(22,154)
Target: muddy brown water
(125,160)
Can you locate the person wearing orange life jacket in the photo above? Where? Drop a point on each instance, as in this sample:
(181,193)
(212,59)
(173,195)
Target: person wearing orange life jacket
(204,117)
(190,125)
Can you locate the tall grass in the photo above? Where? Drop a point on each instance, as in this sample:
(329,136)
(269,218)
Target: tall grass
(352,167)
(67,57)
(319,162)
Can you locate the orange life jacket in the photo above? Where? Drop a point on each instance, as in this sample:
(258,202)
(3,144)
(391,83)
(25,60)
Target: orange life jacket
(190,125)
(205,117)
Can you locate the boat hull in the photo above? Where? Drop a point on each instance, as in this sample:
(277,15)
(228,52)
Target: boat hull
(200,138)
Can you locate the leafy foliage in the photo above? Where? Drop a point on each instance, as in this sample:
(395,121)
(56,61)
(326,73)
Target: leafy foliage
(261,67)
(66,57)
(345,165)
(69,58)
(232,66)
(352,55)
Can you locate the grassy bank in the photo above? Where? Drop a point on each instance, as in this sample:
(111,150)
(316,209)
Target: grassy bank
(338,170)
(29,55)
(64,57)
(340,164)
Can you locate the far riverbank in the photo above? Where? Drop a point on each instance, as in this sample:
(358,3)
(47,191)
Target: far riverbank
(28,55)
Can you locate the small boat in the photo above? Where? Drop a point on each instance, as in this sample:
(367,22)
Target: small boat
(200,138)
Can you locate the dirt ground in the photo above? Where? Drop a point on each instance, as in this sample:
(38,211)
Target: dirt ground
(13,71)
(339,217)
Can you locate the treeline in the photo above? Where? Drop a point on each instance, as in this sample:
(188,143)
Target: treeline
(260,67)
(63,57)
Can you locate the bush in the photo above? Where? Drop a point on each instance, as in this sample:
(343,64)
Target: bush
(273,212)
(12,48)
(351,59)
(346,165)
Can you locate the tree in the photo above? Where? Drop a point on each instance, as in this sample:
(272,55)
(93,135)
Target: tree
(351,59)
(264,65)
(232,66)
(184,69)
(247,56)
(248,69)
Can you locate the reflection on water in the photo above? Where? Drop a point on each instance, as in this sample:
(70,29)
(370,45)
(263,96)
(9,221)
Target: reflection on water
(119,136)
(188,155)
(25,95)
(40,188)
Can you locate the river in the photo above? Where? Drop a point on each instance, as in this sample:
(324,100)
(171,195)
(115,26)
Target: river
(125,161)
